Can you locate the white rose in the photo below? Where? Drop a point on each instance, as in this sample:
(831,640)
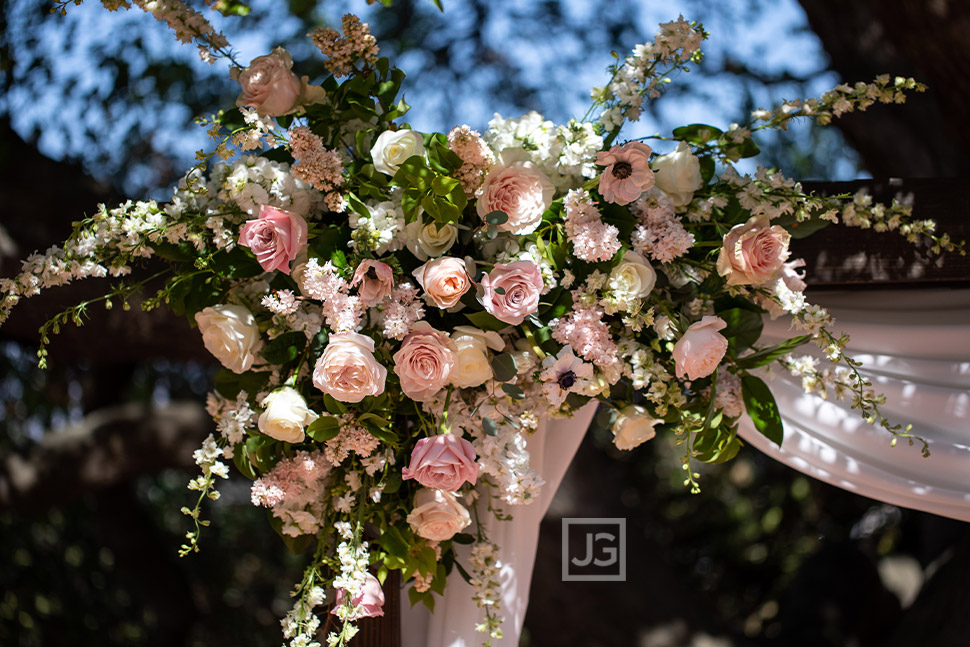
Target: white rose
(678,174)
(429,241)
(633,426)
(472,367)
(231,335)
(285,415)
(393,147)
(437,515)
(633,278)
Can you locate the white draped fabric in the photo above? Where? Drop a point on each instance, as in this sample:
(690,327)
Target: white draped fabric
(915,347)
(552,448)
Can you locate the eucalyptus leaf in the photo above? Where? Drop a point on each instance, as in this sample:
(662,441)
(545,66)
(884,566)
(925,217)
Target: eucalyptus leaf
(490,426)
(504,367)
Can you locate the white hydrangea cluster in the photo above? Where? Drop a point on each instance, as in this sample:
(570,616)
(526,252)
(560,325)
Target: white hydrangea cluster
(251,182)
(381,231)
(565,153)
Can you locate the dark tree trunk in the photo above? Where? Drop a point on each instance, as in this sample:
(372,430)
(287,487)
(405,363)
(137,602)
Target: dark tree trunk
(925,39)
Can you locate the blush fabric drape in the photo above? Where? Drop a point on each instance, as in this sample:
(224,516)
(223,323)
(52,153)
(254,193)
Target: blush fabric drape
(452,624)
(915,348)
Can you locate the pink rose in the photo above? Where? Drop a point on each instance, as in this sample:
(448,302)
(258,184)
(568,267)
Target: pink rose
(521,284)
(753,252)
(269,84)
(627,174)
(369,603)
(347,369)
(701,349)
(522,191)
(425,361)
(276,238)
(444,279)
(437,515)
(376,281)
(443,462)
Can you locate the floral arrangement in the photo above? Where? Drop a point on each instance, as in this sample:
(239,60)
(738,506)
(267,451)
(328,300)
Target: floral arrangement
(395,311)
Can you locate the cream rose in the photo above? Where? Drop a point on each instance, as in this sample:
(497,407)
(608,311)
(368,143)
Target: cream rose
(425,361)
(520,190)
(701,349)
(285,415)
(230,333)
(269,84)
(348,370)
(633,426)
(753,252)
(472,367)
(393,148)
(429,240)
(437,515)
(444,280)
(633,277)
(678,174)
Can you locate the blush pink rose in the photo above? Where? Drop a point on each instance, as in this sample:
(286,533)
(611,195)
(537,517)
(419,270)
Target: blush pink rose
(276,237)
(627,174)
(348,370)
(425,361)
(444,279)
(753,252)
(437,515)
(701,349)
(370,602)
(269,84)
(522,191)
(443,462)
(521,285)
(375,280)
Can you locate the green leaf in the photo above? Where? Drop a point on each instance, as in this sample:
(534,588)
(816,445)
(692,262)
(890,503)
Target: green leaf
(415,172)
(285,348)
(716,445)
(392,541)
(323,429)
(490,426)
(504,368)
(768,355)
(707,168)
(743,327)
(240,457)
(485,321)
(443,185)
(496,218)
(697,133)
(761,407)
(463,538)
(513,391)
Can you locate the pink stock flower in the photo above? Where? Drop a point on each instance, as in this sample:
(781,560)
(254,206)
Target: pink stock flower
(444,280)
(425,361)
(269,84)
(375,280)
(627,174)
(701,349)
(753,252)
(512,291)
(442,462)
(276,238)
(347,369)
(369,603)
